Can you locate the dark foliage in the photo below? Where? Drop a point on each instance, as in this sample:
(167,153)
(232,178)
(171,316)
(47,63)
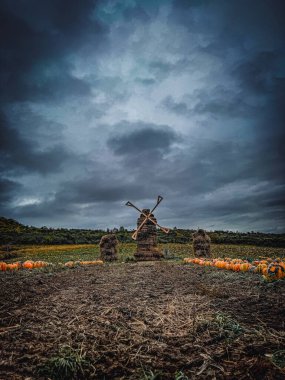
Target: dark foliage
(12,232)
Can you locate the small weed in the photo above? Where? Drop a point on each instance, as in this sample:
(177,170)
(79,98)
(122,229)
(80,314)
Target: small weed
(180,376)
(129,259)
(69,364)
(150,375)
(227,326)
(278,358)
(222,326)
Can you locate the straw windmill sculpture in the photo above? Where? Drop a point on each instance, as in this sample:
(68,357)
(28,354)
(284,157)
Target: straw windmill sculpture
(146,235)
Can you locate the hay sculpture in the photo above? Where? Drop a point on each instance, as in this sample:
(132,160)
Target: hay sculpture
(145,234)
(147,239)
(201,244)
(108,247)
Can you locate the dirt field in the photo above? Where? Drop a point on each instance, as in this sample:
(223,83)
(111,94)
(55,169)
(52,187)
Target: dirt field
(141,321)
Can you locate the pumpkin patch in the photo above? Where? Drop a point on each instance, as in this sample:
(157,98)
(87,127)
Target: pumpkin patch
(270,269)
(30,264)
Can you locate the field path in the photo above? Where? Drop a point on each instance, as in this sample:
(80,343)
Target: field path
(131,318)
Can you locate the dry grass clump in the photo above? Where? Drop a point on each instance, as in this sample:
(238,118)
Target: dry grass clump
(68,364)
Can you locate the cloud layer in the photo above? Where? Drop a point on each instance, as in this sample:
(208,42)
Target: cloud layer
(108,101)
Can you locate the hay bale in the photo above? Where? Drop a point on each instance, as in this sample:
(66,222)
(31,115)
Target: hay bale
(201,244)
(108,248)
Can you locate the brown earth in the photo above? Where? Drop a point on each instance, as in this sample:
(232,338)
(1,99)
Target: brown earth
(157,320)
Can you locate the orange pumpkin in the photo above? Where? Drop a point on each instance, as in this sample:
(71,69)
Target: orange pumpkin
(263,262)
(29,264)
(260,268)
(232,266)
(264,270)
(69,264)
(3,266)
(12,266)
(244,267)
(275,271)
(95,262)
(237,267)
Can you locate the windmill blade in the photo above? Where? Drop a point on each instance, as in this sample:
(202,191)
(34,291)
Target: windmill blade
(148,217)
(130,204)
(159,199)
(164,229)
(135,234)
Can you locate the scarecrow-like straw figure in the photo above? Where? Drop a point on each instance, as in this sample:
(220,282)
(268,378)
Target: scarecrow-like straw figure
(201,244)
(108,247)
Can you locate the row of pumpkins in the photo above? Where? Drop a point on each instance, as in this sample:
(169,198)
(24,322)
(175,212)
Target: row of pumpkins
(271,269)
(30,264)
(72,264)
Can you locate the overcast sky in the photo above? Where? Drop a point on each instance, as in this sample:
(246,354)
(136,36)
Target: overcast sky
(108,101)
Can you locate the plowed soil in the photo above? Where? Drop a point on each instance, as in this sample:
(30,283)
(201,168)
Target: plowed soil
(146,320)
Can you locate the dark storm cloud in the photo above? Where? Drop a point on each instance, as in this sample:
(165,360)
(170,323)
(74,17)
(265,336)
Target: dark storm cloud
(104,185)
(136,13)
(263,77)
(163,69)
(218,102)
(145,81)
(18,153)
(180,108)
(102,188)
(7,189)
(115,100)
(240,189)
(148,138)
(257,74)
(255,24)
(253,31)
(62,85)
(45,209)
(35,40)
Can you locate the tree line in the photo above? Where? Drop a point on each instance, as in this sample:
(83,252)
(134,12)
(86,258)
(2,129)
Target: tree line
(12,232)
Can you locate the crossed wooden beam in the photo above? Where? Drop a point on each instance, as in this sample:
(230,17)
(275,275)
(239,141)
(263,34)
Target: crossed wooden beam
(147,217)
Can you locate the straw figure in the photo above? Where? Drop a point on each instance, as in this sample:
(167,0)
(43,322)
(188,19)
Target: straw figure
(201,244)
(108,247)
(147,239)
